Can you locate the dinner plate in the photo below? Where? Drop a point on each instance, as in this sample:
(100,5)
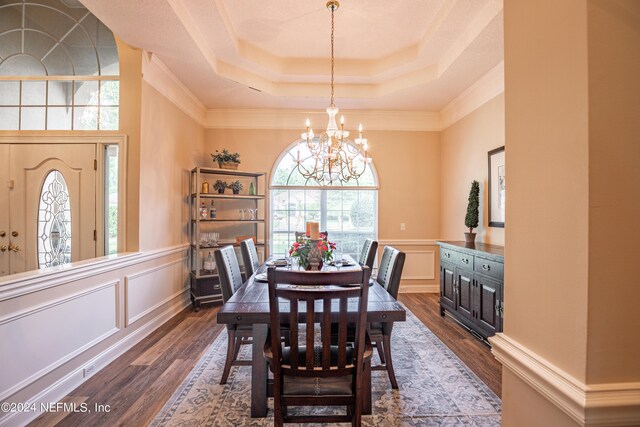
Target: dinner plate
(345,263)
(262,277)
(277,262)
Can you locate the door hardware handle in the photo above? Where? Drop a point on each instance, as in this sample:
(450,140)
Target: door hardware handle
(14,233)
(3,248)
(13,248)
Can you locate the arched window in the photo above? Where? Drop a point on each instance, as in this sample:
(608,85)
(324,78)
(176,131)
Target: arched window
(58,68)
(347,211)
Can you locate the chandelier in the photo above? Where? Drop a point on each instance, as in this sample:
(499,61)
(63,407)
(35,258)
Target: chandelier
(333,157)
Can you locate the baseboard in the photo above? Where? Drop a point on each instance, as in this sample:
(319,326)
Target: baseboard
(433,288)
(614,404)
(56,391)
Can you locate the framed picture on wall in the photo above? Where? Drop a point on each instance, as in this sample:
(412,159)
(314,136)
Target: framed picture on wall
(496,187)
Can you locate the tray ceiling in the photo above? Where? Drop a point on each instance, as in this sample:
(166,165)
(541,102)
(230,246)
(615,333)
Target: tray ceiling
(409,55)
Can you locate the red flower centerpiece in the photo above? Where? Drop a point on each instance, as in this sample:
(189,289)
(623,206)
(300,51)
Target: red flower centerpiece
(307,251)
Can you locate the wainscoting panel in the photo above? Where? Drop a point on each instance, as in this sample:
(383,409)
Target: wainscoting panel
(60,326)
(41,338)
(421,266)
(147,290)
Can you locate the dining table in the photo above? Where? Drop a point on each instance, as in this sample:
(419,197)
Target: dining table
(250,306)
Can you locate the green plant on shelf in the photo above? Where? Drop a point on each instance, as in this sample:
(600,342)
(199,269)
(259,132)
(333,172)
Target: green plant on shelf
(235,186)
(220,186)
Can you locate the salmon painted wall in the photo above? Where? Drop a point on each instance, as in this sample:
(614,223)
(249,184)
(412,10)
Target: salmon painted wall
(464,148)
(172,143)
(407,163)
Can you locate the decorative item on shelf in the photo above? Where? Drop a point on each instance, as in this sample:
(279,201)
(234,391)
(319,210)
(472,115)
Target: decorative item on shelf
(235,186)
(205,187)
(312,253)
(226,160)
(471,219)
(220,186)
(241,238)
(204,212)
(209,264)
(333,158)
(252,189)
(212,211)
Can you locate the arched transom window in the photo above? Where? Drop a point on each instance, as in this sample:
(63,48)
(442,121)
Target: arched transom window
(347,211)
(58,67)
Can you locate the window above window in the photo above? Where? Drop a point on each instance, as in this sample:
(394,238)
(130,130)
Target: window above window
(59,68)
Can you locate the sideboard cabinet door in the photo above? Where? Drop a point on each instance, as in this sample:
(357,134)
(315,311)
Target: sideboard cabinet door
(488,302)
(447,287)
(464,300)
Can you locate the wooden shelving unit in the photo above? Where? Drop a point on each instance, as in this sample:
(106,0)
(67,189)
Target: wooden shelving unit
(205,285)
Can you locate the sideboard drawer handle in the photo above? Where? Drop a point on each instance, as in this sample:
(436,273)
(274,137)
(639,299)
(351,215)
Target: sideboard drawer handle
(486,267)
(238,317)
(447,255)
(384,316)
(465,260)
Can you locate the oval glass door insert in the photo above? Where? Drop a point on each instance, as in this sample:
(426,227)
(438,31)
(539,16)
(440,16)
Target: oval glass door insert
(54,222)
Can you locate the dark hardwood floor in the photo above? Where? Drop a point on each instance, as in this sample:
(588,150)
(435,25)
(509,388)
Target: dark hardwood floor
(137,384)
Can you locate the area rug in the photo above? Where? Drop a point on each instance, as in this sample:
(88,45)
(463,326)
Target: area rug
(436,388)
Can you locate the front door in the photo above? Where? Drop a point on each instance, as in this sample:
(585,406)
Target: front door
(52,205)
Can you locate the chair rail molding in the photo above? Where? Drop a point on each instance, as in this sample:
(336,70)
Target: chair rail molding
(588,404)
(420,274)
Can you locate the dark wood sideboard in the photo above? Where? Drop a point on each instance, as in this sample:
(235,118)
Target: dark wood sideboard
(472,284)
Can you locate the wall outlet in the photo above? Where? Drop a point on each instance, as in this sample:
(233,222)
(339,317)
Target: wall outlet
(402,226)
(88,370)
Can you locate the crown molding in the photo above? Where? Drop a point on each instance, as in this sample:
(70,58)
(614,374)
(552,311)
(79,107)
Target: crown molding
(158,75)
(294,119)
(483,90)
(589,405)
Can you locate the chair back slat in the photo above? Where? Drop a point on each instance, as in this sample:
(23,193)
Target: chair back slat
(342,333)
(326,334)
(293,316)
(310,332)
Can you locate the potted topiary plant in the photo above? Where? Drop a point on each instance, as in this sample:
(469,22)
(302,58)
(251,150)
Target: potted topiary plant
(226,160)
(471,220)
(220,186)
(235,186)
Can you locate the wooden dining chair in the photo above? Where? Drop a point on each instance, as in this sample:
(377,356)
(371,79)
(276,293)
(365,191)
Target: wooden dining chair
(368,254)
(389,275)
(230,281)
(310,371)
(249,257)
